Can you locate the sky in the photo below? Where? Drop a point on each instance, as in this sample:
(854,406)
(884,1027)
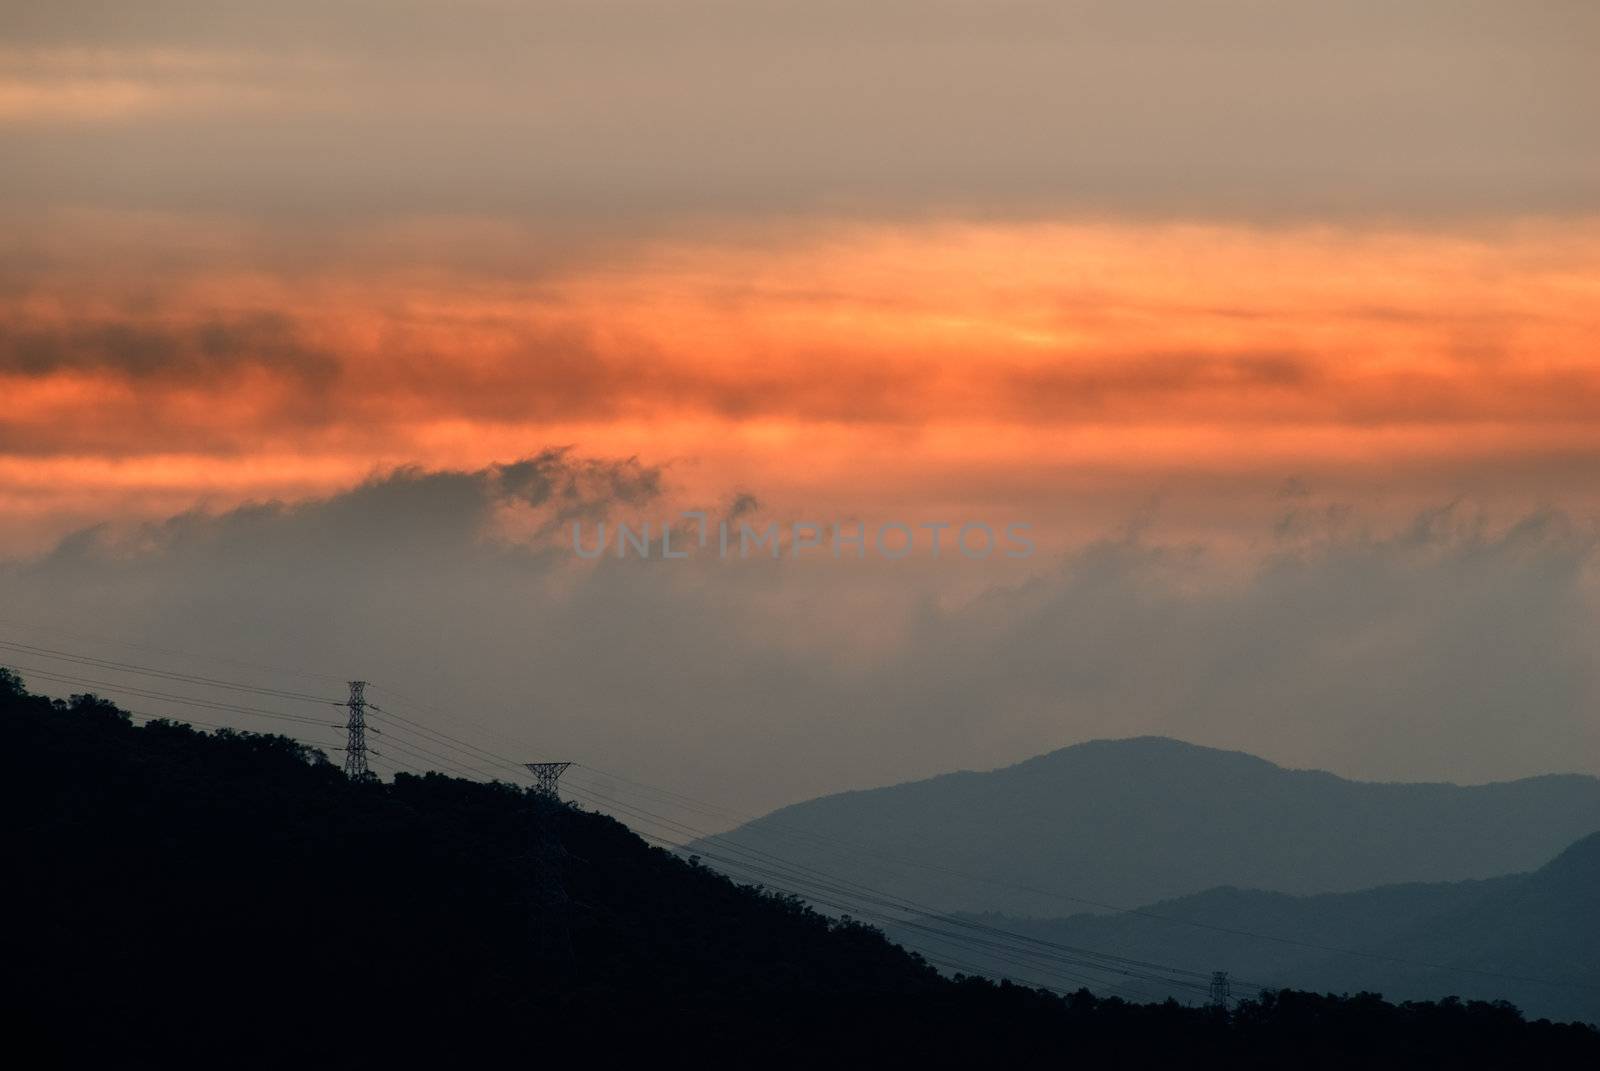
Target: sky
(320,325)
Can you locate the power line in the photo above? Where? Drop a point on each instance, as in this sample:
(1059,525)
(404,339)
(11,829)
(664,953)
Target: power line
(170,698)
(922,915)
(463,747)
(1134,911)
(1011,953)
(1140,912)
(451,743)
(210,704)
(218,659)
(816,892)
(188,678)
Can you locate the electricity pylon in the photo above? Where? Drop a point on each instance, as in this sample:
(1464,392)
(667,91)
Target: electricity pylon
(1221,992)
(355,748)
(545,777)
(550,922)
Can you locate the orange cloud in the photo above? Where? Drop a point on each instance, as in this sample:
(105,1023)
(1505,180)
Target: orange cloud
(931,356)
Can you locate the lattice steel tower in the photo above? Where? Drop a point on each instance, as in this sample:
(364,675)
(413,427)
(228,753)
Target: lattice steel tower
(551,934)
(1221,992)
(355,748)
(545,777)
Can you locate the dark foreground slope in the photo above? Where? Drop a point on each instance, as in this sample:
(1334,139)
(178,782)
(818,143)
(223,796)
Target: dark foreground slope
(1533,938)
(175,897)
(1128,822)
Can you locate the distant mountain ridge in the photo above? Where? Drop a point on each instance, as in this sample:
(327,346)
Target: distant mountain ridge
(1127,822)
(1532,938)
(228,899)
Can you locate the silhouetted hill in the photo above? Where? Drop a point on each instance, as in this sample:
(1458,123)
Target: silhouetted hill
(1125,822)
(1508,937)
(175,898)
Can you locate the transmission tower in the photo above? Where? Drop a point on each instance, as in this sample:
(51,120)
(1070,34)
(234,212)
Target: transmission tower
(1221,992)
(355,749)
(550,918)
(545,777)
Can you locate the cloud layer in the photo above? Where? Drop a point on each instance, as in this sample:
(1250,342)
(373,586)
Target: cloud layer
(642,109)
(940,362)
(1451,648)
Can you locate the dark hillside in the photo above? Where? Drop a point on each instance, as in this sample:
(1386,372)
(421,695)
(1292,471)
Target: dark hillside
(177,897)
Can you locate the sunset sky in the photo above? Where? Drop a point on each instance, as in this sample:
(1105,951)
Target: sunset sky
(1277,321)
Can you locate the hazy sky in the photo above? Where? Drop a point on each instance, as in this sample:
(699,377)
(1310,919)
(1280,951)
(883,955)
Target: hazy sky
(1276,320)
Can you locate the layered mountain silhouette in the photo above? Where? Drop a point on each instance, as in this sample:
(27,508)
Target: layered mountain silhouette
(1533,939)
(181,898)
(1118,823)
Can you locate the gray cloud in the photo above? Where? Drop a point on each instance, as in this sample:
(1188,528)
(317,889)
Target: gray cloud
(144,349)
(1452,649)
(439,516)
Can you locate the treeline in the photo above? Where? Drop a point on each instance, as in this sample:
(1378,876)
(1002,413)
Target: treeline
(177,896)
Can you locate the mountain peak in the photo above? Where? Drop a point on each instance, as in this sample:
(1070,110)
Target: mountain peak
(1145,749)
(1141,819)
